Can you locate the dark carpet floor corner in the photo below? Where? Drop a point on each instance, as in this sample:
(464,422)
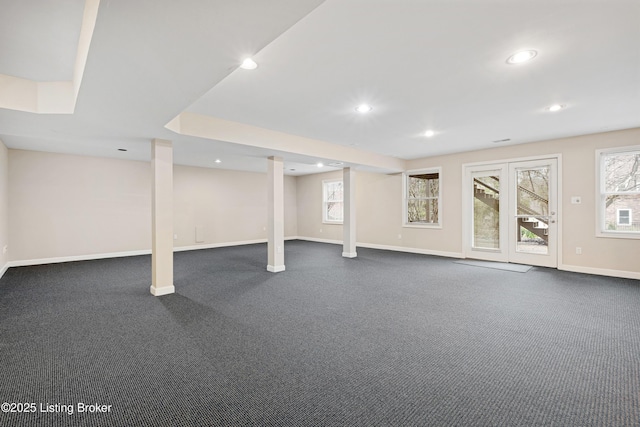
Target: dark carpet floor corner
(385,339)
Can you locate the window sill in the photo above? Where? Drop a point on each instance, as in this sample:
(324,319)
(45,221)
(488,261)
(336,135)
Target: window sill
(333,222)
(618,234)
(434,226)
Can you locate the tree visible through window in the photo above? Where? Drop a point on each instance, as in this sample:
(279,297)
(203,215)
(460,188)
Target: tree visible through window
(620,191)
(422,198)
(332,201)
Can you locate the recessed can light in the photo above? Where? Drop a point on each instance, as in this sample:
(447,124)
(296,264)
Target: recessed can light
(319,164)
(522,56)
(555,107)
(249,64)
(363,108)
(429,133)
(218,161)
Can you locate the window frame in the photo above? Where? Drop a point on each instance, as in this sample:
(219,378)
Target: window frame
(601,195)
(405,198)
(325,219)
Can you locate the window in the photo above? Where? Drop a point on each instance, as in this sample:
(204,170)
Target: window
(619,192)
(624,217)
(332,201)
(422,201)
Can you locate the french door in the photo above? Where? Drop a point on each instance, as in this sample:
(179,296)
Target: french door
(511,212)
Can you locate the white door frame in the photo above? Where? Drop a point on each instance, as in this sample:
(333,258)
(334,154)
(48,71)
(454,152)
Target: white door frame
(502,255)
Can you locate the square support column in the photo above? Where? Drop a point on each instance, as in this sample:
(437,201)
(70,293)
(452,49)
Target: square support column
(162,218)
(275,214)
(349,220)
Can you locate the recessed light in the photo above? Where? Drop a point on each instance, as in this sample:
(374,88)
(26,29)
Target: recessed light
(249,64)
(319,164)
(429,133)
(522,56)
(218,161)
(122,149)
(555,107)
(364,108)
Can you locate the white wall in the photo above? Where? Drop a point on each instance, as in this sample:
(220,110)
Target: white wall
(229,206)
(379,205)
(63,206)
(4,206)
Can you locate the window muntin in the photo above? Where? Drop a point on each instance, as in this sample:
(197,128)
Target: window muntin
(332,201)
(619,195)
(422,201)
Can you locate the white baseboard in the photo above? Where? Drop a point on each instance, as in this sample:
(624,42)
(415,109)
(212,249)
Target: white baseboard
(55,260)
(388,247)
(601,271)
(275,268)
(164,290)
(218,245)
(315,239)
(4,269)
(411,250)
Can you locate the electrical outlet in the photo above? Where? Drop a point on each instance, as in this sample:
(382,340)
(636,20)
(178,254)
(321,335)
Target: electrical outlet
(578,250)
(321,230)
(175,237)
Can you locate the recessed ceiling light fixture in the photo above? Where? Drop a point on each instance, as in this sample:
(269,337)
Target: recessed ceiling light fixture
(249,64)
(364,108)
(319,164)
(522,56)
(556,107)
(218,161)
(429,133)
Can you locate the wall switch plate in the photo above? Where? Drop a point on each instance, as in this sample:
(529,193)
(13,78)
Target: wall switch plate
(578,250)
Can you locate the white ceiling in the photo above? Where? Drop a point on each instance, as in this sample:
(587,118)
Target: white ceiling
(420,63)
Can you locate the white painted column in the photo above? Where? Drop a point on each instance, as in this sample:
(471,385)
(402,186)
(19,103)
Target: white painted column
(162,218)
(275,215)
(349,220)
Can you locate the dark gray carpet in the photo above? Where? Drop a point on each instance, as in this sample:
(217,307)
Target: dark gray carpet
(384,339)
(516,268)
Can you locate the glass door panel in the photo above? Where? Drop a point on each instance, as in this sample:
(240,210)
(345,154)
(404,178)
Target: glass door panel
(486,210)
(533,227)
(532,209)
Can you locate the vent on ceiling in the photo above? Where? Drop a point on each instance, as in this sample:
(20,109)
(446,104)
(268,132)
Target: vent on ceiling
(502,140)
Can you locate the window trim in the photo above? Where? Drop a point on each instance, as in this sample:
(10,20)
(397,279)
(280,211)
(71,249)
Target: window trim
(405,199)
(325,220)
(601,195)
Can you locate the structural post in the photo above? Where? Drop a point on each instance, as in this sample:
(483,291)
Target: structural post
(349,220)
(275,215)
(162,218)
